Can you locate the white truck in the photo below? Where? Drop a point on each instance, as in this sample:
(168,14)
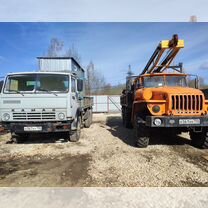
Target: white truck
(49,100)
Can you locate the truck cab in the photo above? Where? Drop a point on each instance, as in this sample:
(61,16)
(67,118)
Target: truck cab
(44,102)
(160,101)
(169,94)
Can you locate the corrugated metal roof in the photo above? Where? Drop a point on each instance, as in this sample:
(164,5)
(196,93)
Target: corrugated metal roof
(64,57)
(35,72)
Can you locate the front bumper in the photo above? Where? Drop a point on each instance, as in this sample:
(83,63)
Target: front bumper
(177,121)
(39,127)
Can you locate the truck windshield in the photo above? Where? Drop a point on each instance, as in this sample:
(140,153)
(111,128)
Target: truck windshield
(159,81)
(155,81)
(179,81)
(37,83)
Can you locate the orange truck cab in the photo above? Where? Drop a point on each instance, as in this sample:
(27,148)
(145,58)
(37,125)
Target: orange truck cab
(158,101)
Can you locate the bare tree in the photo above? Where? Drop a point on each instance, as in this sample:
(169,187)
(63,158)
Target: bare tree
(95,80)
(55,47)
(95,83)
(107,89)
(72,52)
(202,84)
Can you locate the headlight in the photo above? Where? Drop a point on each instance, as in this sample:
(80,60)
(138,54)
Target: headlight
(61,116)
(5,117)
(156,108)
(157,122)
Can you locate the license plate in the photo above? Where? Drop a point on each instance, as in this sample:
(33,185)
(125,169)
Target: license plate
(33,128)
(189,121)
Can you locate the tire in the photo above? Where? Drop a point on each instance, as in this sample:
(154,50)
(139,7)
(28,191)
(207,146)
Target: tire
(126,117)
(199,139)
(88,121)
(142,135)
(75,135)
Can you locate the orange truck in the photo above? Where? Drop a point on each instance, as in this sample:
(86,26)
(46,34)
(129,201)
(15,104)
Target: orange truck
(159,99)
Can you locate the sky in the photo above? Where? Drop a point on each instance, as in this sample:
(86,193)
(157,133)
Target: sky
(103,10)
(111,46)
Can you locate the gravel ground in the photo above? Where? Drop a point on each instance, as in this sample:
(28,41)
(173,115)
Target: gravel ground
(104,156)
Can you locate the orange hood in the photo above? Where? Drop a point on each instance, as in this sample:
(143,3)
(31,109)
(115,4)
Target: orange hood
(176,90)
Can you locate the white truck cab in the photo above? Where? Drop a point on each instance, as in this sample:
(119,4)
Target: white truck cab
(43,102)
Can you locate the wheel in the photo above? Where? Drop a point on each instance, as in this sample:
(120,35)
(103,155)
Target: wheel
(88,121)
(75,135)
(200,139)
(126,118)
(142,135)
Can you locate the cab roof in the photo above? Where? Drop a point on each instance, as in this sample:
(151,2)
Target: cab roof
(37,72)
(163,74)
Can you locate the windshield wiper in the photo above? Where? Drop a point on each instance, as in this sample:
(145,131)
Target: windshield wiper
(17,91)
(45,90)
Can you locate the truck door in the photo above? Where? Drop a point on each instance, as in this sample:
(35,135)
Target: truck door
(74,101)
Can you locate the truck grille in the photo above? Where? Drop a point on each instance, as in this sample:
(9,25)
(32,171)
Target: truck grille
(187,104)
(34,116)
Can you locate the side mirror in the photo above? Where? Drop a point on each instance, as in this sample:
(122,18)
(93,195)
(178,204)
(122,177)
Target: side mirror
(193,81)
(197,83)
(1,84)
(124,91)
(79,85)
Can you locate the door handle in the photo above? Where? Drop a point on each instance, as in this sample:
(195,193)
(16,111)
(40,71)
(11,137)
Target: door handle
(73,97)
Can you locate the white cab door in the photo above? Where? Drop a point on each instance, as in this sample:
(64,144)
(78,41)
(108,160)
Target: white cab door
(74,101)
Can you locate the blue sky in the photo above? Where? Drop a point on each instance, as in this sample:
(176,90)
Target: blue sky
(111,46)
